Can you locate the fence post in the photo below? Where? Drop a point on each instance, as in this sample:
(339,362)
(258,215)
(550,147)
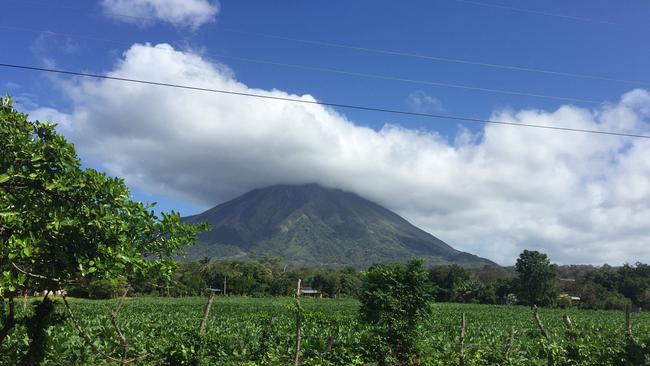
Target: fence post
(571,334)
(206,313)
(510,341)
(296,360)
(461,355)
(539,324)
(628,322)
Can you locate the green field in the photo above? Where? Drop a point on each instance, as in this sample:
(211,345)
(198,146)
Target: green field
(252,331)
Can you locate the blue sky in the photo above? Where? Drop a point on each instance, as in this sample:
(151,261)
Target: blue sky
(441,28)
(597,38)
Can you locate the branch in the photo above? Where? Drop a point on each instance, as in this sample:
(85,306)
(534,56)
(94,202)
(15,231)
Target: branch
(84,335)
(34,275)
(123,341)
(123,361)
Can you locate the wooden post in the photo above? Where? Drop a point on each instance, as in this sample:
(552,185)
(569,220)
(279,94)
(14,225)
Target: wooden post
(461,356)
(510,341)
(628,322)
(330,343)
(539,324)
(296,360)
(571,334)
(567,322)
(206,313)
(225,282)
(298,289)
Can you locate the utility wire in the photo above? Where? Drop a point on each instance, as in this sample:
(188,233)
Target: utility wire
(327,104)
(328,70)
(435,58)
(383,51)
(414,81)
(536,12)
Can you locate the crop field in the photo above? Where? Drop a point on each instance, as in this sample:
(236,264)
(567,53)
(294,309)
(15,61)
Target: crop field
(261,331)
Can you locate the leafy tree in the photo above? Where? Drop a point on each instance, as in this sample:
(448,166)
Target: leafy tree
(595,296)
(60,224)
(350,281)
(327,282)
(447,280)
(394,298)
(536,279)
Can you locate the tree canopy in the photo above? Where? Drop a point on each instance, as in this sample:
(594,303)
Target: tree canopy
(60,223)
(536,279)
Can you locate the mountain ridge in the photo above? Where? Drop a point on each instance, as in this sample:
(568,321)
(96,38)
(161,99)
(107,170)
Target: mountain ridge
(313,225)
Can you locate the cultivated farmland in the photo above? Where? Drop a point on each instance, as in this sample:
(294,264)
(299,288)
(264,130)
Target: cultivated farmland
(261,331)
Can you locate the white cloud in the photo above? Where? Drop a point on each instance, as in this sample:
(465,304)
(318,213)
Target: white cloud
(422,102)
(186,13)
(582,198)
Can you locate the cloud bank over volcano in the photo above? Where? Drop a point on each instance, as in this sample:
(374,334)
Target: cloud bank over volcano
(582,198)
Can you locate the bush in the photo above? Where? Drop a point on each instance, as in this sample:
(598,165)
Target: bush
(394,298)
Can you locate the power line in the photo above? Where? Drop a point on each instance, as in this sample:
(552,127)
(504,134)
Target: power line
(327,104)
(329,70)
(393,52)
(415,81)
(536,12)
(436,58)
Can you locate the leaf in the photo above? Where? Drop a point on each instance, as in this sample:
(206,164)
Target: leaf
(4,178)
(27,251)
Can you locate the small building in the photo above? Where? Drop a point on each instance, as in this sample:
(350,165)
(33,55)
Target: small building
(308,291)
(216,291)
(573,299)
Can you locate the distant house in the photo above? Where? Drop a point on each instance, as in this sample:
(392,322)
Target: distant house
(216,291)
(572,298)
(308,291)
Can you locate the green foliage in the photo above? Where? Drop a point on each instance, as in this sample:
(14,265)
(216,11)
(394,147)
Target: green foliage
(240,332)
(536,279)
(37,326)
(447,280)
(61,225)
(64,224)
(266,276)
(394,298)
(614,287)
(595,296)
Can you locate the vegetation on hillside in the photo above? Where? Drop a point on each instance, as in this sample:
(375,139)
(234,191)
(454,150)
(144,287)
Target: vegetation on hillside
(310,225)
